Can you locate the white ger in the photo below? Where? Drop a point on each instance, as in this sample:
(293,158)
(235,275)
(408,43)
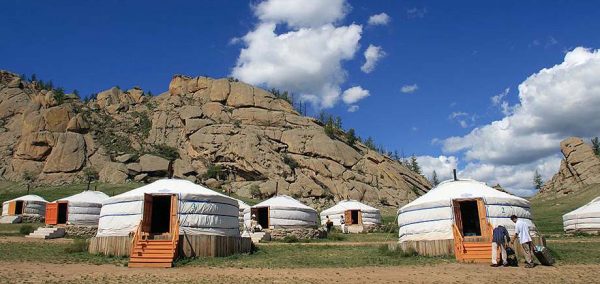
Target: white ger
(584,219)
(281,212)
(357,216)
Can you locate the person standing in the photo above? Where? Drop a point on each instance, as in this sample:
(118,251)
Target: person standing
(522,232)
(328,224)
(500,240)
(343,224)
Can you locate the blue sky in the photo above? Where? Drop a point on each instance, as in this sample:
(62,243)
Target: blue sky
(459,54)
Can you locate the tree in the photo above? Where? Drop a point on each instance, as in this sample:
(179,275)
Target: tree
(414,165)
(537,180)
(29,178)
(434,178)
(596,145)
(351,137)
(75,92)
(33,77)
(59,95)
(370,143)
(90,175)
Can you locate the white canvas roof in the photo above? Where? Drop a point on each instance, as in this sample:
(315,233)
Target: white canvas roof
(200,210)
(370,215)
(285,211)
(243,205)
(584,218)
(84,207)
(430,217)
(88,196)
(34,205)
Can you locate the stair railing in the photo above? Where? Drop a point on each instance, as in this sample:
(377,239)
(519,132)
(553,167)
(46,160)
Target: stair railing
(136,237)
(458,241)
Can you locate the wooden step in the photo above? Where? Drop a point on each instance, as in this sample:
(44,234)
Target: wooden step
(146,260)
(150,265)
(152,255)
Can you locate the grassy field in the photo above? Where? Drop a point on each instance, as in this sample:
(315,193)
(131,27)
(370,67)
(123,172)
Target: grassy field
(14,229)
(51,253)
(548,210)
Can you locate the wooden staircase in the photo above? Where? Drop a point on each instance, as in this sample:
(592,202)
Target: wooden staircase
(155,251)
(472,249)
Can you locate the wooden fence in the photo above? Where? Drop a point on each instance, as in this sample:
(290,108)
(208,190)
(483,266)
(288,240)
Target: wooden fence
(189,245)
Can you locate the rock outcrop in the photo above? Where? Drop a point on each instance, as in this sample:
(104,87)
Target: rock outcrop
(579,168)
(214,131)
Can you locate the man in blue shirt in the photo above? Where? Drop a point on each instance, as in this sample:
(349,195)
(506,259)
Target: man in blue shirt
(500,239)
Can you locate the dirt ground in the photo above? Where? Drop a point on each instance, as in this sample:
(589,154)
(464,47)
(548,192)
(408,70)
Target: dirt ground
(444,273)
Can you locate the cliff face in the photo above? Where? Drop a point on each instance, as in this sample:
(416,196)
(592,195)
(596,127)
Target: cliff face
(225,134)
(580,167)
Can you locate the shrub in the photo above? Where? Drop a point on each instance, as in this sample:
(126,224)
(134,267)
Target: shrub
(26,230)
(78,245)
(351,137)
(290,239)
(290,162)
(255,191)
(167,152)
(213,171)
(59,95)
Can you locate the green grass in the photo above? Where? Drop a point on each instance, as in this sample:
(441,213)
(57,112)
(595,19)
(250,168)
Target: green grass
(309,256)
(548,210)
(51,253)
(10,190)
(13,229)
(583,252)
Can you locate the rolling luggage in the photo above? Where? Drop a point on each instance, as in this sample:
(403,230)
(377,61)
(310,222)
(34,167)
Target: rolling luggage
(511,257)
(542,253)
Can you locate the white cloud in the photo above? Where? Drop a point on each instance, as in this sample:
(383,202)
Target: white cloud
(372,55)
(354,94)
(499,101)
(555,103)
(409,89)
(306,60)
(379,19)
(443,166)
(462,118)
(515,179)
(499,98)
(353,108)
(416,13)
(302,13)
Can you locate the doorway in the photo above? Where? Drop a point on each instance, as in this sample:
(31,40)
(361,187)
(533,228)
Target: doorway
(262,216)
(467,216)
(354,217)
(62,213)
(19,207)
(157,214)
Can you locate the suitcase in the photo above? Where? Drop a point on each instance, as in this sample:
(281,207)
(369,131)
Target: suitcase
(511,257)
(542,253)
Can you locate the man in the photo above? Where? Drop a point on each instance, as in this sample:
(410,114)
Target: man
(522,232)
(500,239)
(254,225)
(328,224)
(343,224)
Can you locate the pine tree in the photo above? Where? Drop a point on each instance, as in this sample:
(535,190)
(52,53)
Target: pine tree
(596,145)
(351,137)
(370,143)
(75,92)
(414,165)
(537,180)
(434,178)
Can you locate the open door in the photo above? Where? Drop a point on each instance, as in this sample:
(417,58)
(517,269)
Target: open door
(472,233)
(62,216)
(158,213)
(355,217)
(262,216)
(19,207)
(12,208)
(348,217)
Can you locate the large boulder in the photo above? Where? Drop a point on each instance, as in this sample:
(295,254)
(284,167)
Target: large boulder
(114,173)
(68,154)
(152,164)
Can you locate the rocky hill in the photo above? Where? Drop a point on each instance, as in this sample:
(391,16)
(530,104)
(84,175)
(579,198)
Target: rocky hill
(220,132)
(579,168)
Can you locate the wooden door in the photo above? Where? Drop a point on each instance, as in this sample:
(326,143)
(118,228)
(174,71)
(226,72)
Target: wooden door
(348,217)
(483,222)
(457,215)
(147,213)
(359,217)
(174,213)
(52,213)
(12,208)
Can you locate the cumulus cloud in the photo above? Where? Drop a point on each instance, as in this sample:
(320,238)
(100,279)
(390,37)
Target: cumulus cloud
(306,60)
(302,13)
(409,89)
(354,94)
(462,118)
(372,55)
(442,165)
(554,103)
(381,19)
(517,179)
